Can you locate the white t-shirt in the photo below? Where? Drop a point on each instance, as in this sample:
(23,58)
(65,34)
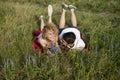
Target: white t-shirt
(78,43)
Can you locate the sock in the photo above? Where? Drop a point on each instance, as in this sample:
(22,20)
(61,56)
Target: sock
(72,9)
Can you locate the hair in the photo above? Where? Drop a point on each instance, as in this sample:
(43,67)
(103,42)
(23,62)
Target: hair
(69,37)
(50,27)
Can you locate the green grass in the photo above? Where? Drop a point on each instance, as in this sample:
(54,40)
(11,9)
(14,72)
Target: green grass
(99,22)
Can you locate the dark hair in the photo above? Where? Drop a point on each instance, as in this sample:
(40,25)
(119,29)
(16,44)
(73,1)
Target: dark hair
(69,37)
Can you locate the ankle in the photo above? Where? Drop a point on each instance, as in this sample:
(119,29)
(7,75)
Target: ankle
(72,10)
(64,10)
(41,18)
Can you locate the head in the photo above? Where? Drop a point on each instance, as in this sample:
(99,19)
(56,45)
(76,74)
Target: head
(68,39)
(50,32)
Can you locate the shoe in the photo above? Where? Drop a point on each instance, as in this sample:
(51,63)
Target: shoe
(50,10)
(64,6)
(72,7)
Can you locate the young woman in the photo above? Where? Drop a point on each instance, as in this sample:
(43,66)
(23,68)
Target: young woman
(45,40)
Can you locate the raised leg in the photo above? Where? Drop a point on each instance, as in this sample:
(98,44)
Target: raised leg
(42,23)
(62,19)
(73,16)
(50,19)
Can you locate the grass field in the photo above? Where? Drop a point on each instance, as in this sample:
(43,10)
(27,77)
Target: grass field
(99,22)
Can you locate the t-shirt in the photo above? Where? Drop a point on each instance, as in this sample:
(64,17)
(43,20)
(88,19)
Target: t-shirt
(78,43)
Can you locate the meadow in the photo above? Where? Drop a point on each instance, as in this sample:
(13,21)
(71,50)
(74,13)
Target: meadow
(99,22)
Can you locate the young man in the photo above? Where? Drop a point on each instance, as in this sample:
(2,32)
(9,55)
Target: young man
(70,37)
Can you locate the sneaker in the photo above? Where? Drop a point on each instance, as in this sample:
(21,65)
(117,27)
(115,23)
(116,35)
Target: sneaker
(72,7)
(64,6)
(50,10)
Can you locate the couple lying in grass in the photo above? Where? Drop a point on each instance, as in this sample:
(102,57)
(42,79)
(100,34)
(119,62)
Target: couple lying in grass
(51,40)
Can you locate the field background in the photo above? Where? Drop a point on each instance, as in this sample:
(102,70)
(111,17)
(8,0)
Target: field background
(99,22)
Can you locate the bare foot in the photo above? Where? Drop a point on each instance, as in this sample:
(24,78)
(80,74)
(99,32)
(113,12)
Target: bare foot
(41,18)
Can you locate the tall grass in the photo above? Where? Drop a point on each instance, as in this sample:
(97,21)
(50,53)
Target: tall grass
(99,22)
